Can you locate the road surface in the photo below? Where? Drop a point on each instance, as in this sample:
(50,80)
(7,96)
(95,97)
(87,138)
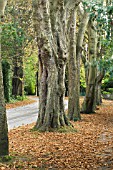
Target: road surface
(24,115)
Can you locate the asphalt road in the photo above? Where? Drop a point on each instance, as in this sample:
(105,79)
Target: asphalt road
(24,115)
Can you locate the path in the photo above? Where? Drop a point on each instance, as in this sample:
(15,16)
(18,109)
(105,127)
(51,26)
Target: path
(24,115)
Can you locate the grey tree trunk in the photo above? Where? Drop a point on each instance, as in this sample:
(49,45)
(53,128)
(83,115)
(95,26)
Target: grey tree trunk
(98,87)
(50,26)
(73,109)
(98,94)
(89,104)
(18,77)
(4,145)
(51,95)
(74,65)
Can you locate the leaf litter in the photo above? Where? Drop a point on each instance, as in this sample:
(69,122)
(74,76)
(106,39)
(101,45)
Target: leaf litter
(90,148)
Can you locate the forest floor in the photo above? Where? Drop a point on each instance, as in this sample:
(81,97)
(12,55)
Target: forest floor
(90,148)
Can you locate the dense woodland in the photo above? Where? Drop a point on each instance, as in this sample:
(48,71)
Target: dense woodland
(55,49)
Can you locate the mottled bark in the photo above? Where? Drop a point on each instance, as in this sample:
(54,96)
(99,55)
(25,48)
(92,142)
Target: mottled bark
(2,7)
(4,146)
(73,109)
(98,87)
(98,94)
(50,32)
(79,44)
(89,104)
(74,65)
(18,77)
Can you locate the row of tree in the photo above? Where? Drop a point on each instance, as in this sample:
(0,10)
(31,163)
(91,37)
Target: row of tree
(60,40)
(65,32)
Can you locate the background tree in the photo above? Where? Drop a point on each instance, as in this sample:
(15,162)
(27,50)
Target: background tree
(89,102)
(72,67)
(18,39)
(99,15)
(76,46)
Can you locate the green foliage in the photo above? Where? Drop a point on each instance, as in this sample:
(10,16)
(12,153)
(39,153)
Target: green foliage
(107,83)
(6,158)
(76,119)
(82,81)
(30,88)
(106,64)
(110,90)
(67,129)
(17,34)
(101,13)
(30,73)
(18,98)
(13,38)
(106,92)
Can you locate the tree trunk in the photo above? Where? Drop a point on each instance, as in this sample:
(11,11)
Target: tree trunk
(74,66)
(98,87)
(6,80)
(51,96)
(73,109)
(4,145)
(52,58)
(89,104)
(18,78)
(40,70)
(36,87)
(98,94)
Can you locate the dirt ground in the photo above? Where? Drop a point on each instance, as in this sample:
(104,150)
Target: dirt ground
(90,148)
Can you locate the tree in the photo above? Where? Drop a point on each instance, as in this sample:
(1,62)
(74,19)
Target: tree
(50,23)
(89,104)
(72,68)
(18,39)
(4,149)
(20,35)
(76,46)
(97,52)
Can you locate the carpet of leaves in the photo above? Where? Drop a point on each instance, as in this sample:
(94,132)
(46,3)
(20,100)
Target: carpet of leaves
(19,103)
(90,148)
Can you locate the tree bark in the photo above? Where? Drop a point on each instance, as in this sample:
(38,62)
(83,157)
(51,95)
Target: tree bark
(74,66)
(73,109)
(4,144)
(6,80)
(51,107)
(50,38)
(18,77)
(98,87)
(79,48)
(89,104)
